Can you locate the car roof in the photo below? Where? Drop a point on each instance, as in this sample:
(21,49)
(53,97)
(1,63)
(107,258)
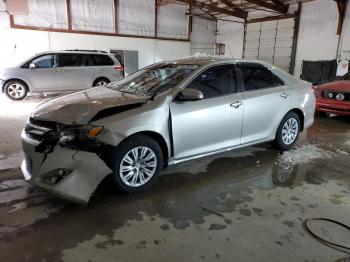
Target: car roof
(205,60)
(92,52)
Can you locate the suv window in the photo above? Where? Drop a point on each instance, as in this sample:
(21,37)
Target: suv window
(216,81)
(258,77)
(45,61)
(102,60)
(68,60)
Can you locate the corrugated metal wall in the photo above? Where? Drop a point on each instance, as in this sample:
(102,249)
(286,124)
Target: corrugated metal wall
(270,41)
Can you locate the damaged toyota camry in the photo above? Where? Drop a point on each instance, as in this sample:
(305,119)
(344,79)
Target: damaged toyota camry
(161,115)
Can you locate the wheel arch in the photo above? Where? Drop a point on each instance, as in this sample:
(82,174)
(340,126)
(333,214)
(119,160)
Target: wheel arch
(161,141)
(158,138)
(100,78)
(300,113)
(16,79)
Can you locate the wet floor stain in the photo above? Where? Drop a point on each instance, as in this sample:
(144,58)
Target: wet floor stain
(239,202)
(288,223)
(217,227)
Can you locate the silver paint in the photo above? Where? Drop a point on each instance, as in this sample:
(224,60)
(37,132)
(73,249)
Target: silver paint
(197,128)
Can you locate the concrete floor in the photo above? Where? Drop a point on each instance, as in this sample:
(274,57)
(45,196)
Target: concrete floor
(246,205)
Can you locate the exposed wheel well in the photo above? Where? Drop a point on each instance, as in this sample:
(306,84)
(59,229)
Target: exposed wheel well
(301,116)
(15,79)
(100,78)
(159,139)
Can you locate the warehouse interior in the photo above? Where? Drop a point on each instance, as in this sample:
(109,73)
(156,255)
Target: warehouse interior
(253,203)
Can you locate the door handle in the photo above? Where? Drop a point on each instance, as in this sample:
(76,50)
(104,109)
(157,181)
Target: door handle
(284,94)
(236,104)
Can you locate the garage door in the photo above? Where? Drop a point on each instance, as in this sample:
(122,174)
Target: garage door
(270,41)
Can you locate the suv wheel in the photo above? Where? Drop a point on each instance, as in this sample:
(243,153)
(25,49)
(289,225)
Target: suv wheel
(288,131)
(101,82)
(16,90)
(137,164)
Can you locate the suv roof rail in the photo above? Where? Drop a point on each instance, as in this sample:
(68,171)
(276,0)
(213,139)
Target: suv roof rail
(86,50)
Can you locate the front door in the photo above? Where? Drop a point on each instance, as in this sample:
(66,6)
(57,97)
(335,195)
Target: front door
(41,73)
(212,123)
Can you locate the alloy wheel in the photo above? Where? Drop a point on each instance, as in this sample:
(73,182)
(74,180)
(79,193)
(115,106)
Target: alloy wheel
(16,90)
(101,83)
(138,166)
(290,131)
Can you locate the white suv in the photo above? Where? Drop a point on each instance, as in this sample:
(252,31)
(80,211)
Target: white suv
(62,71)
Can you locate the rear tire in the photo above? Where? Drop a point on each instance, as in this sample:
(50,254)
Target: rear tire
(16,89)
(136,164)
(288,131)
(101,82)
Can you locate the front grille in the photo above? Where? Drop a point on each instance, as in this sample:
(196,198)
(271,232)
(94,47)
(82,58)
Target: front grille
(38,129)
(333,95)
(29,163)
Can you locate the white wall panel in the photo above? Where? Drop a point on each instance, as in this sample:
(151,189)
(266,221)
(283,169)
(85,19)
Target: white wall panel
(22,44)
(172,21)
(136,17)
(203,36)
(93,15)
(45,13)
(344,51)
(317,33)
(231,34)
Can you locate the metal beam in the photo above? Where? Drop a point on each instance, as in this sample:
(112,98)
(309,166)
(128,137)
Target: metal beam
(214,8)
(278,8)
(228,3)
(270,18)
(342,10)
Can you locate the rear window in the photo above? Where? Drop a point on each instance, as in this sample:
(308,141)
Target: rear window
(257,77)
(102,60)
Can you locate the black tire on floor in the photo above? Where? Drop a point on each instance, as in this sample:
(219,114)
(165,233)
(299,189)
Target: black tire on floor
(279,140)
(16,89)
(123,149)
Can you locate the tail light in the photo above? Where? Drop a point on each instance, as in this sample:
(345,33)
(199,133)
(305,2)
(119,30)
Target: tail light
(119,68)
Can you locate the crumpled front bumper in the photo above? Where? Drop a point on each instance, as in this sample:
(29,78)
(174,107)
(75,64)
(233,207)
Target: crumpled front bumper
(87,170)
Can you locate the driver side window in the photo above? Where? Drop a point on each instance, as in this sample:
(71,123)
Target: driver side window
(45,61)
(216,81)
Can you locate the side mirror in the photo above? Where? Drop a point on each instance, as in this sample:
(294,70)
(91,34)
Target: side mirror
(32,65)
(190,94)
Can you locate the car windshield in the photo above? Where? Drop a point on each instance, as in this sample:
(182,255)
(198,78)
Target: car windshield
(154,79)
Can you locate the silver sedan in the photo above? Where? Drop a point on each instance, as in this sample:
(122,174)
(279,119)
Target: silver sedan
(163,114)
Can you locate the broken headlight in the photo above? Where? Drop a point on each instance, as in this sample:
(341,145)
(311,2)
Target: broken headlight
(79,133)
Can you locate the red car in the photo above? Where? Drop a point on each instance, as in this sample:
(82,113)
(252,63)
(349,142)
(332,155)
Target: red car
(334,97)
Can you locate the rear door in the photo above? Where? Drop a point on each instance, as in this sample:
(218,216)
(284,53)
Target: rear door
(76,71)
(210,124)
(266,101)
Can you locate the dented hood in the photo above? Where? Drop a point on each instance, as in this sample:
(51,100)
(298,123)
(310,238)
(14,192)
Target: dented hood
(79,108)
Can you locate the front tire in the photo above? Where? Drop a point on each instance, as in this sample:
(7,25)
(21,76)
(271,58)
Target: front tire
(288,131)
(16,90)
(136,164)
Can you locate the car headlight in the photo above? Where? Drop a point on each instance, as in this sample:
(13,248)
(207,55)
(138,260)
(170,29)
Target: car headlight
(83,133)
